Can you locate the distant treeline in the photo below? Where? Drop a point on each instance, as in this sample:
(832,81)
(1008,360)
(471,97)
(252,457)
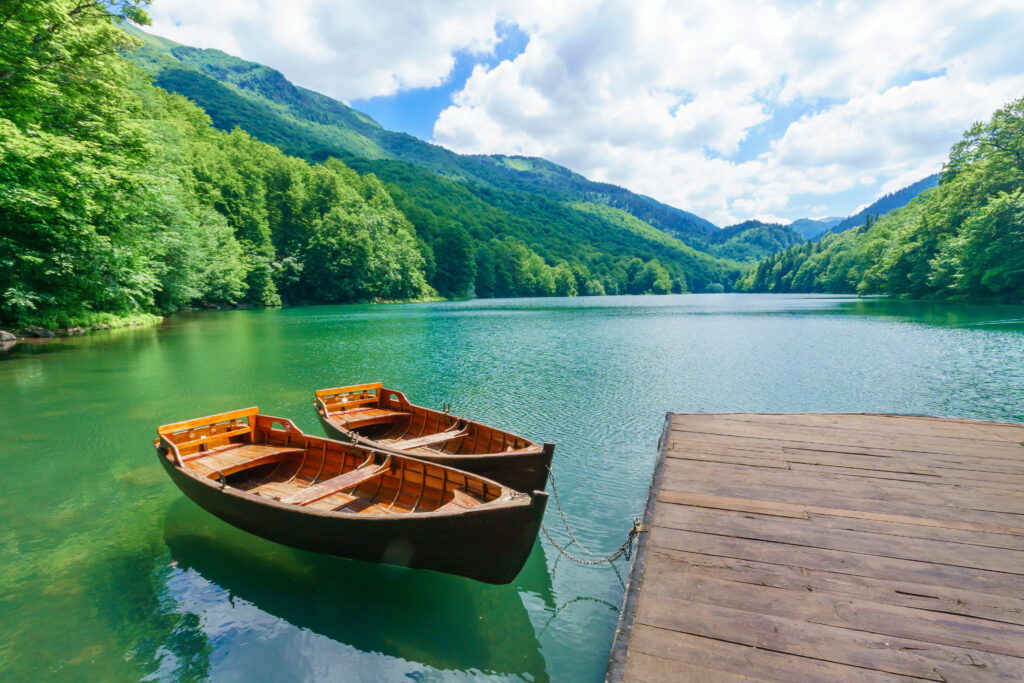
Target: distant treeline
(886,203)
(961,240)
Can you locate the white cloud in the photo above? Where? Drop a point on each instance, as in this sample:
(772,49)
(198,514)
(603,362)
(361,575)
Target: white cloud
(660,98)
(691,103)
(344,48)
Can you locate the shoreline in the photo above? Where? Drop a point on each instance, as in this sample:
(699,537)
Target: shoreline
(109,321)
(100,322)
(112,321)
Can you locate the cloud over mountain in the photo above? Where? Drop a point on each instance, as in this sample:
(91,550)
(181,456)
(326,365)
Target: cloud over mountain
(731,110)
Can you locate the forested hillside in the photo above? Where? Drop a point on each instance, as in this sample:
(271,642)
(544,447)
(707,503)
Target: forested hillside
(308,124)
(964,239)
(813,228)
(751,241)
(889,202)
(118,198)
(445,194)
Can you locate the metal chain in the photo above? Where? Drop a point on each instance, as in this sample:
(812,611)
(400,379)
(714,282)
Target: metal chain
(558,502)
(625,549)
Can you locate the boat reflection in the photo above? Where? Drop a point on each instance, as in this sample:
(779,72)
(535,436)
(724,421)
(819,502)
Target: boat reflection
(441,621)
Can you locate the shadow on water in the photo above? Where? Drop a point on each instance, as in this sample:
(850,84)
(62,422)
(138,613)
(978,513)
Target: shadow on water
(442,621)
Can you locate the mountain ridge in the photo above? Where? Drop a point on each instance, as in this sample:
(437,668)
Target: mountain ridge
(304,123)
(885,204)
(251,78)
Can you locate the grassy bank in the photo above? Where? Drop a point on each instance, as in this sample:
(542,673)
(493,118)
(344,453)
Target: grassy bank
(89,322)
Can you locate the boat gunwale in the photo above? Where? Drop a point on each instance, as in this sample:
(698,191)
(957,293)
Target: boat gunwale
(505,500)
(321,409)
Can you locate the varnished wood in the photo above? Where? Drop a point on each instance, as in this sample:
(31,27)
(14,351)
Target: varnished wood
(375,416)
(437,438)
(210,419)
(266,476)
(825,547)
(336,484)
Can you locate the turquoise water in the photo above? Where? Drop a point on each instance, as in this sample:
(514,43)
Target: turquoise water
(108,573)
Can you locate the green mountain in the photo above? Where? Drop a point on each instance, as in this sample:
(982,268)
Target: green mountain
(532,201)
(336,126)
(751,241)
(816,228)
(813,228)
(893,200)
(961,239)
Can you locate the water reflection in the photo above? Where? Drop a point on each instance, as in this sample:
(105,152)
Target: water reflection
(447,623)
(937,313)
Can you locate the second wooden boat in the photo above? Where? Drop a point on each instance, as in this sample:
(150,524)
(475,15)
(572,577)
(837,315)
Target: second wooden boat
(264,475)
(384,418)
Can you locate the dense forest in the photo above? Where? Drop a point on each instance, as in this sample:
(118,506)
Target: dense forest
(261,100)
(964,239)
(119,198)
(751,240)
(116,196)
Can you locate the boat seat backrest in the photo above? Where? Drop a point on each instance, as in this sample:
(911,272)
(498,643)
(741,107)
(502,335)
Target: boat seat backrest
(201,433)
(343,398)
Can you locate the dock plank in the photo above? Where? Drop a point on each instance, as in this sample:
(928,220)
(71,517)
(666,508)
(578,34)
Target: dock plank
(828,546)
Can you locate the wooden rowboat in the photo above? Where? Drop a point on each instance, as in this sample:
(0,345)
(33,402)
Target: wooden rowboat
(383,418)
(264,475)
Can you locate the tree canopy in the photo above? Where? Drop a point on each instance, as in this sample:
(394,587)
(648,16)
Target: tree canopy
(964,239)
(116,196)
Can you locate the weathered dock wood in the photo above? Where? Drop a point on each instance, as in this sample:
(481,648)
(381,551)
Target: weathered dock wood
(828,547)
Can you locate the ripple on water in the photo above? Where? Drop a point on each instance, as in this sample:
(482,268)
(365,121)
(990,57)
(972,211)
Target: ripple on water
(168,592)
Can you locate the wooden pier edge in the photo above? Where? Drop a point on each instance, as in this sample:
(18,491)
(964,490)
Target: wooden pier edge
(828,546)
(624,629)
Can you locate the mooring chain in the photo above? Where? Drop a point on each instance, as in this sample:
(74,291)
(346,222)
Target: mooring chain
(626,549)
(558,503)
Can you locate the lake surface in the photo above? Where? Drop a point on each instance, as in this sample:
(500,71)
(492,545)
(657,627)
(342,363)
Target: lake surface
(108,573)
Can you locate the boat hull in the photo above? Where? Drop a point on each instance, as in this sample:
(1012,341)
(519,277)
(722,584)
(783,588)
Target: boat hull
(489,545)
(520,471)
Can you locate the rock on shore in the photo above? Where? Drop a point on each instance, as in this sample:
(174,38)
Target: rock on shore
(34,331)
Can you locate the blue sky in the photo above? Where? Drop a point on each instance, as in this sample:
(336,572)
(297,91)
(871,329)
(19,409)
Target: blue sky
(414,111)
(732,110)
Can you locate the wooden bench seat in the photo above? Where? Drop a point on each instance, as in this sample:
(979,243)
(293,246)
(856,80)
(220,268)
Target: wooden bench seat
(362,417)
(215,436)
(336,484)
(428,440)
(233,458)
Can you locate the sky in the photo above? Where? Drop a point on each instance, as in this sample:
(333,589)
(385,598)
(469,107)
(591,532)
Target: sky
(732,110)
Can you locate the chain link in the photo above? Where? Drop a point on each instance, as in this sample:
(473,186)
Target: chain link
(626,549)
(561,511)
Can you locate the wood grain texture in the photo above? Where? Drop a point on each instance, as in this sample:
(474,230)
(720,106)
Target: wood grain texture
(830,547)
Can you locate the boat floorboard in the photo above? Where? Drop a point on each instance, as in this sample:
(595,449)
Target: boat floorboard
(828,546)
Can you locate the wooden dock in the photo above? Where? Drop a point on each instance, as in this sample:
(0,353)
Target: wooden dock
(829,547)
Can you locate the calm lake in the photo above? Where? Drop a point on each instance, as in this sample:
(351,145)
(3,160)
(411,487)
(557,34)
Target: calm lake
(108,573)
